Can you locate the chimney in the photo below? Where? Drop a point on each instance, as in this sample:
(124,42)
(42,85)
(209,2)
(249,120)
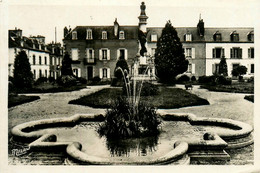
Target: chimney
(116,27)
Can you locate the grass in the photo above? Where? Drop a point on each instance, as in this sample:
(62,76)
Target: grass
(166,99)
(249,98)
(15,100)
(242,87)
(52,88)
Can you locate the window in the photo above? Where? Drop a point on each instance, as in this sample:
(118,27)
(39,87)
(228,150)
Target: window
(234,66)
(188,37)
(250,36)
(34,74)
(89,34)
(189,68)
(40,73)
(215,68)
(104,73)
(217,36)
(45,60)
(104,35)
(74,35)
(218,52)
(104,54)
(46,73)
(234,36)
(252,68)
(34,60)
(251,52)
(122,53)
(90,53)
(74,54)
(236,53)
(40,60)
(121,35)
(76,72)
(188,52)
(154,37)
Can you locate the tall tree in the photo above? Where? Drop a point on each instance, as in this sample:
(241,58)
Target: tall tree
(223,67)
(240,70)
(169,56)
(66,65)
(23,77)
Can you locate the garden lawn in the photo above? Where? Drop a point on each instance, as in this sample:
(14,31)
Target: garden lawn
(166,99)
(242,87)
(20,99)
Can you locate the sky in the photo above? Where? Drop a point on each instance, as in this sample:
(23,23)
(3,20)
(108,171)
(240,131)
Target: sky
(42,16)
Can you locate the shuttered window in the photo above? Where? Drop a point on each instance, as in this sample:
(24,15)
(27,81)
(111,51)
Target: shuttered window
(236,53)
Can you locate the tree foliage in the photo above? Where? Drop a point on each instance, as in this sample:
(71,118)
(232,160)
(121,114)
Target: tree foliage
(66,65)
(169,57)
(23,77)
(223,67)
(123,65)
(240,70)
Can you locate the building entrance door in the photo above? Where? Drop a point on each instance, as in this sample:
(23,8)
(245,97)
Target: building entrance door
(90,72)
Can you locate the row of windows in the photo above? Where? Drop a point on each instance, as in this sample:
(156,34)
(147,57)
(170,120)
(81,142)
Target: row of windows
(215,68)
(235,52)
(234,37)
(44,73)
(89,35)
(104,54)
(53,60)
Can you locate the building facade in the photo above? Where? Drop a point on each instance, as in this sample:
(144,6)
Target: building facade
(39,54)
(96,49)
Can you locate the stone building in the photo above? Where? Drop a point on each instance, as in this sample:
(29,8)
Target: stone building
(39,54)
(95,49)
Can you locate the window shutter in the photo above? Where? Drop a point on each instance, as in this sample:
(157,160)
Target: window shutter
(108,54)
(213,53)
(126,54)
(249,53)
(184,51)
(213,68)
(222,52)
(193,53)
(78,54)
(118,54)
(100,54)
(193,68)
(185,37)
(86,53)
(93,53)
(231,53)
(100,73)
(240,54)
(108,72)
(79,72)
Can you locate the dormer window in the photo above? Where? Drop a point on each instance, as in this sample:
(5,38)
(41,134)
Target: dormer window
(121,35)
(74,35)
(154,38)
(89,34)
(104,35)
(234,36)
(250,36)
(188,37)
(217,36)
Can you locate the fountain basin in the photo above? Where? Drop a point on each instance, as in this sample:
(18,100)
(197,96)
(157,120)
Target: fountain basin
(182,149)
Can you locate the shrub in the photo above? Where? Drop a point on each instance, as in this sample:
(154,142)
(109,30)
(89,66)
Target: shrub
(51,79)
(193,78)
(96,79)
(224,80)
(117,82)
(250,80)
(67,81)
(183,78)
(40,80)
(207,79)
(82,80)
(120,121)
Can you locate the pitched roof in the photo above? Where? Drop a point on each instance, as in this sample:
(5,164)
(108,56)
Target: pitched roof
(131,32)
(208,35)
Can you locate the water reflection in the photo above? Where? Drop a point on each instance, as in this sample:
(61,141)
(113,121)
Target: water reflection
(132,146)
